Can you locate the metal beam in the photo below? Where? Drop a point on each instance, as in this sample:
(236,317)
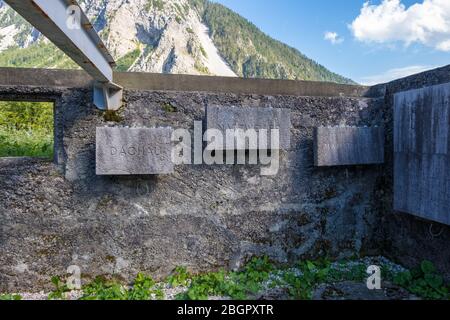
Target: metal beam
(79,41)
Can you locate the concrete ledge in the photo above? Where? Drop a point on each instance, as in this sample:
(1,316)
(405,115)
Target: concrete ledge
(416,81)
(171,82)
(44,78)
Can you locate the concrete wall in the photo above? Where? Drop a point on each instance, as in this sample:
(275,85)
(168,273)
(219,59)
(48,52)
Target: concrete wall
(53,215)
(421,153)
(403,237)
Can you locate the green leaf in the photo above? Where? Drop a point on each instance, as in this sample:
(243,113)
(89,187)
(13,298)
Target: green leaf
(435,281)
(310,265)
(403,278)
(427,267)
(10,297)
(55,280)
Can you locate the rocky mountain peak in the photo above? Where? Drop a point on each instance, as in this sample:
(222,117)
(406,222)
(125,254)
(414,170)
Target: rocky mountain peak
(167,36)
(158,36)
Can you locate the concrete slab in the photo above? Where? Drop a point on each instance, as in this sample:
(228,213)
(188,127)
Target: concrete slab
(179,82)
(421,153)
(133,151)
(225,118)
(339,146)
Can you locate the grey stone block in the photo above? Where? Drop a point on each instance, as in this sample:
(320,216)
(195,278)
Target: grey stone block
(338,146)
(133,151)
(421,153)
(224,118)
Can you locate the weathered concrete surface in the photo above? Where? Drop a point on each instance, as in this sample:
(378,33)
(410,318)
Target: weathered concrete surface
(178,82)
(56,214)
(203,217)
(49,77)
(404,238)
(133,151)
(165,82)
(421,152)
(232,118)
(343,146)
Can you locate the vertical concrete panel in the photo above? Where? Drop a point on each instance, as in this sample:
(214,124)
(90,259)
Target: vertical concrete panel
(421,148)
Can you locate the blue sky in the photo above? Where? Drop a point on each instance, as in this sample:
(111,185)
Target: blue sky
(390,39)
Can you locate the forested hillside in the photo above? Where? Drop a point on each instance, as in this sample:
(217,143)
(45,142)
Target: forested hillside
(168,36)
(253,54)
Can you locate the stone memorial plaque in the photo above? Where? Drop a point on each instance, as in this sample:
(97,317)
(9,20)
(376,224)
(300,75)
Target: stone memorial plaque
(133,151)
(339,146)
(422,152)
(224,118)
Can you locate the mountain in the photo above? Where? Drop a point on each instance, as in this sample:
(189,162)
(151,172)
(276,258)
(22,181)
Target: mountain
(167,36)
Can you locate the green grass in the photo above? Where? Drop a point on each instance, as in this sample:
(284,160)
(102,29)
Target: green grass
(26,144)
(26,129)
(10,297)
(124,63)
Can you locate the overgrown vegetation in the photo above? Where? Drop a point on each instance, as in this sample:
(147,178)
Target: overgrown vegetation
(60,288)
(10,297)
(258,275)
(168,107)
(112,116)
(26,129)
(424,282)
(237,285)
(143,288)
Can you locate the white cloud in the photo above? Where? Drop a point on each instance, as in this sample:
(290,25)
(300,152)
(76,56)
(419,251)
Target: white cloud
(391,21)
(444,45)
(394,74)
(333,37)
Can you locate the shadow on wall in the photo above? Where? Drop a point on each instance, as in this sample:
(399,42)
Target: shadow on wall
(202,217)
(284,216)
